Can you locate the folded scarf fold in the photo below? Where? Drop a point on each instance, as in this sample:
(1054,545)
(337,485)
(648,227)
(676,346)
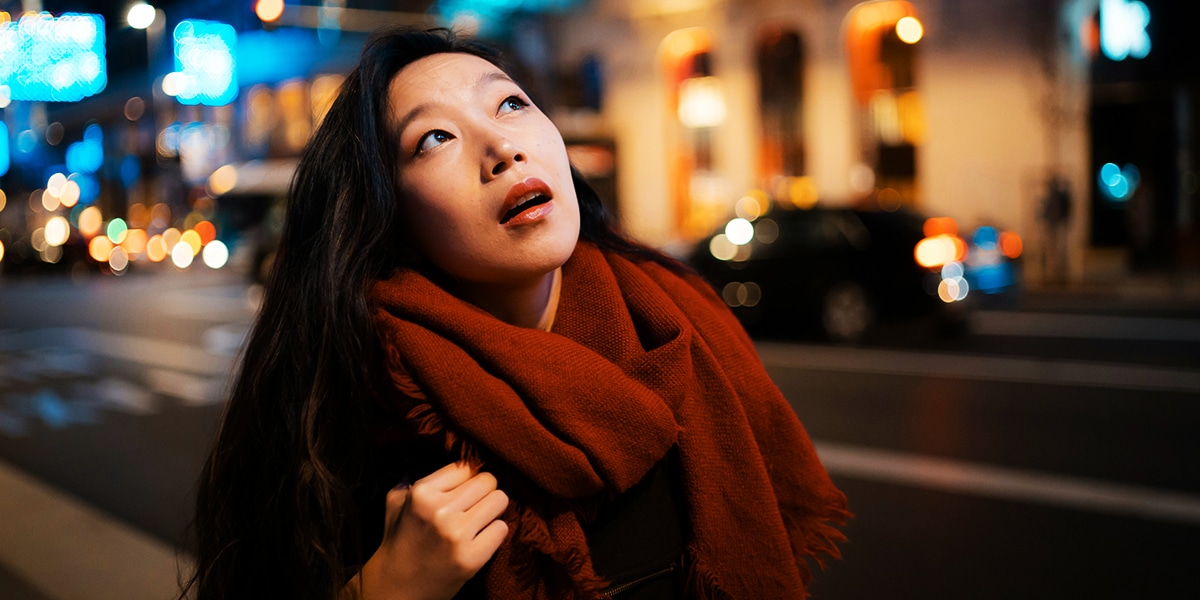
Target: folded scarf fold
(640,359)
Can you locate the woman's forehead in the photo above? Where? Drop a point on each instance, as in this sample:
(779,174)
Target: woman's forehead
(444,71)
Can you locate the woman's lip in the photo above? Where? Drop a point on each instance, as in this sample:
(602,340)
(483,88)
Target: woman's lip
(531,185)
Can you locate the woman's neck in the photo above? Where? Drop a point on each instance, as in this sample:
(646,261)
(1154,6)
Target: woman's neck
(531,304)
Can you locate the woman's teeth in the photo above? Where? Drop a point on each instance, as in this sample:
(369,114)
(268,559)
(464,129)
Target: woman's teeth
(525,203)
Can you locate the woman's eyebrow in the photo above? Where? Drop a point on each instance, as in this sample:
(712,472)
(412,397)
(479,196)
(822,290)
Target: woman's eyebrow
(485,79)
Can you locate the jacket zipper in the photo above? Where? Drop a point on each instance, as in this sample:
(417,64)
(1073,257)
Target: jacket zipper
(617,589)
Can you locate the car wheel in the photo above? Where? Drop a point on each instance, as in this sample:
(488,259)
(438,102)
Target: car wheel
(846,312)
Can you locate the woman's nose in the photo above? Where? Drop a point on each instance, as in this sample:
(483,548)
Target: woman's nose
(504,154)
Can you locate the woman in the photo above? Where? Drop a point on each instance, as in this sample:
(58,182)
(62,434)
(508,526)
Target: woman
(579,416)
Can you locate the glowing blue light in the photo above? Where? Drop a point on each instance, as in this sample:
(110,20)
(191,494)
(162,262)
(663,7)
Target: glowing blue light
(4,160)
(89,187)
(204,61)
(88,155)
(131,170)
(1118,183)
(986,238)
(43,58)
(1123,29)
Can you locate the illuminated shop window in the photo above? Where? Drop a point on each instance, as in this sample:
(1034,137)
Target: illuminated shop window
(44,58)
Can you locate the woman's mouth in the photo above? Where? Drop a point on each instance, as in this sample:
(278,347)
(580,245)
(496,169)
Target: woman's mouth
(526,202)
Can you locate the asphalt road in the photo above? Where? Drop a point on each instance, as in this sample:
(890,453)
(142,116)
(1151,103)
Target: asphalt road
(1048,452)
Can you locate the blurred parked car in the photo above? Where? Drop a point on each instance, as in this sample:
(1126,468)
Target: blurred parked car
(838,272)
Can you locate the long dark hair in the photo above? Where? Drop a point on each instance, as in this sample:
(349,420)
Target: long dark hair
(275,513)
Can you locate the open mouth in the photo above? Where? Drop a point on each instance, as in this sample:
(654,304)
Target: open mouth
(528,203)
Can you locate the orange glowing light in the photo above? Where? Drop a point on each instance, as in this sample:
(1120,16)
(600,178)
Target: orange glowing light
(1011,244)
(135,242)
(156,249)
(935,226)
(268,10)
(207,231)
(100,248)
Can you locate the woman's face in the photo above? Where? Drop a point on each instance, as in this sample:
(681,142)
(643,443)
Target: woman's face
(484,179)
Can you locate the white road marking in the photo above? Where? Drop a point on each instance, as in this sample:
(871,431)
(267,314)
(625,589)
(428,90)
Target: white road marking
(141,350)
(1050,325)
(1009,484)
(984,368)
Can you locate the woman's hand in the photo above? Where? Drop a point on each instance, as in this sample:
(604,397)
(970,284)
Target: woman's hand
(438,533)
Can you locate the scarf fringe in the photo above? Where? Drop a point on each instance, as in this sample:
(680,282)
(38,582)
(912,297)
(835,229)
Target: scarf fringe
(531,535)
(699,580)
(816,537)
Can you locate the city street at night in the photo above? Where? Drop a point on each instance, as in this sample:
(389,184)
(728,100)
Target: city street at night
(963,236)
(1048,452)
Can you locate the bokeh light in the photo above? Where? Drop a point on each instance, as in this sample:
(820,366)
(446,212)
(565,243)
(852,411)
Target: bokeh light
(222,180)
(192,239)
(90,221)
(135,242)
(140,15)
(156,249)
(215,254)
(268,10)
(171,237)
(206,230)
(100,248)
(57,231)
(182,255)
(721,248)
(909,30)
(117,228)
(204,59)
(118,260)
(739,231)
(52,59)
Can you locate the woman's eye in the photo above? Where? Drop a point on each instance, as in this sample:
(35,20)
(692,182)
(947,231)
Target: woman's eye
(512,104)
(432,140)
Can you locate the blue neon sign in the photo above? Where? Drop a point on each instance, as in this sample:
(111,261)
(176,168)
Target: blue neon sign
(4,160)
(1123,29)
(43,58)
(205,64)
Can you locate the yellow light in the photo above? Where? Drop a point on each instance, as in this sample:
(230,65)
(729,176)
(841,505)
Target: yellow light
(58,231)
(3,200)
(935,251)
(701,102)
(100,248)
(909,30)
(192,239)
(222,180)
(181,255)
(1,251)
(935,226)
(90,221)
(269,10)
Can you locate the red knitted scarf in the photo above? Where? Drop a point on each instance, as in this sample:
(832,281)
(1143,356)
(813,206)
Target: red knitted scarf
(640,359)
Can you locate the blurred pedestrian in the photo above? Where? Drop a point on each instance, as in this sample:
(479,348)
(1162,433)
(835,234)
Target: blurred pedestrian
(464,383)
(1056,218)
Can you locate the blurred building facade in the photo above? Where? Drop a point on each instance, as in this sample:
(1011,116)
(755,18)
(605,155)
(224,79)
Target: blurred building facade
(1071,122)
(999,112)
